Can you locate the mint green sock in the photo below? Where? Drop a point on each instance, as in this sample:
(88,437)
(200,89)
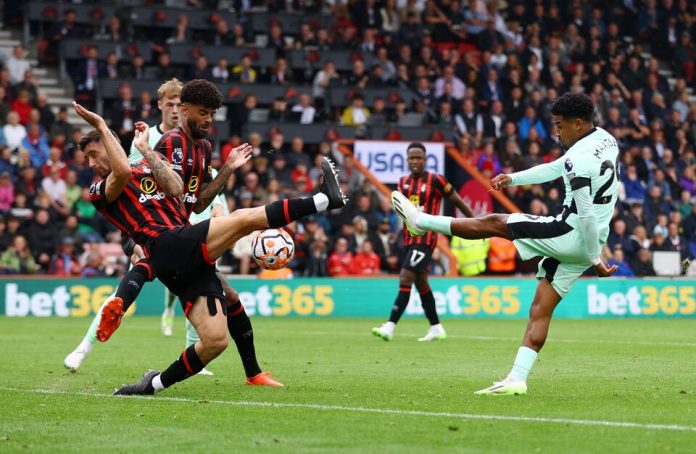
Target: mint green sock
(524,361)
(91,335)
(191,334)
(439,224)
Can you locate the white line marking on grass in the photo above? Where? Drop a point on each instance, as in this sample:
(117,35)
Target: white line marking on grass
(511,339)
(381,411)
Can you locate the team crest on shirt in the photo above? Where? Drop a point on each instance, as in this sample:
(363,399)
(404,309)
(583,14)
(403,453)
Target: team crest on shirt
(423,186)
(568,165)
(145,169)
(177,156)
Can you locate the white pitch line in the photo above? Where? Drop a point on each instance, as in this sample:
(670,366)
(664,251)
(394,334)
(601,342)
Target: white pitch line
(381,411)
(496,338)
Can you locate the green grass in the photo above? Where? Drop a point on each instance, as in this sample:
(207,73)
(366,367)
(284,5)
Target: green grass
(635,371)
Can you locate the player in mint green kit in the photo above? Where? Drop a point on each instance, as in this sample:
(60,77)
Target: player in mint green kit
(569,242)
(168,102)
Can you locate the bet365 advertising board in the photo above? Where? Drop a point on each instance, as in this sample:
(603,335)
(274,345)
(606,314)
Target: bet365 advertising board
(323,297)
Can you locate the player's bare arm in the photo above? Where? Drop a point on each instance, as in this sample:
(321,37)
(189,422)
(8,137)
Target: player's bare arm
(461,204)
(166,178)
(237,158)
(117,180)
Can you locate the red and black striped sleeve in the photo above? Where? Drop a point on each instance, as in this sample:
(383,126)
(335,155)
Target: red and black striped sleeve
(443,186)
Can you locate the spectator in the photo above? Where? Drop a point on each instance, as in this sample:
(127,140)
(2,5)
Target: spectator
(94,266)
(86,216)
(17,64)
(66,263)
(80,167)
(200,69)
(71,231)
(65,29)
(13,131)
(325,78)
(635,188)
(222,36)
(42,238)
(17,259)
(448,76)
(243,72)
(279,110)
(7,194)
(220,72)
(356,114)
(55,187)
(280,72)
(619,260)
(387,247)
(164,70)
(531,121)
(37,144)
(22,106)
(123,115)
(642,265)
(365,262)
(304,109)
(340,259)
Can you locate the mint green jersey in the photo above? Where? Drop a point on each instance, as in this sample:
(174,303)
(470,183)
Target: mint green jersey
(155,134)
(590,174)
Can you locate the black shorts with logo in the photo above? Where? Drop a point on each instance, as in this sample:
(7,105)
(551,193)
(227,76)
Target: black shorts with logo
(417,258)
(179,258)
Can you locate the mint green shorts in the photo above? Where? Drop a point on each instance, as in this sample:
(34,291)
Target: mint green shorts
(562,247)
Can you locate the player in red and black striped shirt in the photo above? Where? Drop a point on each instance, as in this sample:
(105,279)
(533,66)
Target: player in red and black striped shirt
(425,190)
(183,257)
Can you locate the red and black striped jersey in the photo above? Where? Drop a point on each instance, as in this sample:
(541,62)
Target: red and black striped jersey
(190,159)
(142,211)
(425,190)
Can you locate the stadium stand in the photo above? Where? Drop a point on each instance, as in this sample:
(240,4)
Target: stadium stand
(479,75)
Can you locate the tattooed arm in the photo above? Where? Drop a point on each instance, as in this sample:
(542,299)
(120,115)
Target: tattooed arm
(166,178)
(237,158)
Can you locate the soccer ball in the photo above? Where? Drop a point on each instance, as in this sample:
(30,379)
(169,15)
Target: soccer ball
(272,249)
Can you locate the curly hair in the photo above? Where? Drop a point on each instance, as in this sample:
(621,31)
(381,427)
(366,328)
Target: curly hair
(574,105)
(201,92)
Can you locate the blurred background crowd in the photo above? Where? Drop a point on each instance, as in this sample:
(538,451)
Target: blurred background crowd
(298,75)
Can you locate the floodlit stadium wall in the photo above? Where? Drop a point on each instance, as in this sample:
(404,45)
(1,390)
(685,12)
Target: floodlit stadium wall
(316,297)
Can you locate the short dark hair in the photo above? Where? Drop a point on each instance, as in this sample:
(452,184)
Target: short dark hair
(94,136)
(201,92)
(415,145)
(574,105)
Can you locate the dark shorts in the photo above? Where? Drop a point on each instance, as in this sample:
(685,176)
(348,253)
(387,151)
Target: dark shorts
(179,258)
(417,258)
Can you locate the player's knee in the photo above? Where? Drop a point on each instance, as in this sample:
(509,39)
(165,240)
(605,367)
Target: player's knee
(217,344)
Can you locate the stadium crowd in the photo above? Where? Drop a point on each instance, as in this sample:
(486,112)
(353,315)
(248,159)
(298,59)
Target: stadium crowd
(483,72)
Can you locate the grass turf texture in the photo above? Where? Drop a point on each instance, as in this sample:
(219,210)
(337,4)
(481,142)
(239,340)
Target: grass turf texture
(637,371)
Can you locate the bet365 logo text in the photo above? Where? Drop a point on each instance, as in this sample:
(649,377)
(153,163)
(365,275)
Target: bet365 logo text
(62,301)
(643,300)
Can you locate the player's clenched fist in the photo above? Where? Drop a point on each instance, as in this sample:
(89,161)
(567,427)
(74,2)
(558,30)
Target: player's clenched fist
(500,181)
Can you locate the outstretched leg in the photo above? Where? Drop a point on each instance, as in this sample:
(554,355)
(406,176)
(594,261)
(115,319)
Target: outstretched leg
(418,223)
(224,231)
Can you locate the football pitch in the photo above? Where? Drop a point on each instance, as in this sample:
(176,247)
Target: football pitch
(598,386)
